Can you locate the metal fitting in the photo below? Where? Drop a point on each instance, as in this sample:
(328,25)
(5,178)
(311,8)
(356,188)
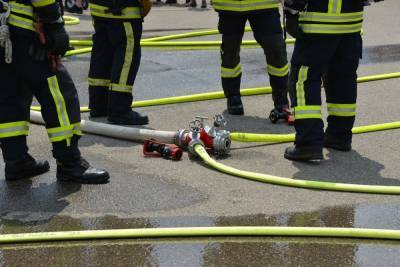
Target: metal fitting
(222,142)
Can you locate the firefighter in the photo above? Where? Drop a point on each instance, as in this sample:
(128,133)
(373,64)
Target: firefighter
(328,46)
(115,59)
(264,18)
(29,66)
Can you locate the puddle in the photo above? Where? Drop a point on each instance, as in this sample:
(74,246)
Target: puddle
(244,251)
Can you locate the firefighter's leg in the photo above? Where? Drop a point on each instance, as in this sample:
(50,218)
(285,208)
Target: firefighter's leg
(232,29)
(126,38)
(341,93)
(61,112)
(100,70)
(268,33)
(14,109)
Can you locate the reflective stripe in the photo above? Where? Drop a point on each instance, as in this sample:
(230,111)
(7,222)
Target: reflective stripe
(99,82)
(244,5)
(64,133)
(231,73)
(331,29)
(335,6)
(20,22)
(60,105)
(121,88)
(307,112)
(342,110)
(280,72)
(77,130)
(338,18)
(12,129)
(129,51)
(127,12)
(42,3)
(302,78)
(21,9)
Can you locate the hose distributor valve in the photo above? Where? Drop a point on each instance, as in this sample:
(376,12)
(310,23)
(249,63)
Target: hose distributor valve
(211,137)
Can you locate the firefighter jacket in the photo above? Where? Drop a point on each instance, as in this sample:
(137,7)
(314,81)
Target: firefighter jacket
(115,9)
(334,17)
(24,13)
(244,6)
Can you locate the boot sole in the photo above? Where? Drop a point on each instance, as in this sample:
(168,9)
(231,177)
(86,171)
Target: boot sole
(81,181)
(343,148)
(120,122)
(27,175)
(309,158)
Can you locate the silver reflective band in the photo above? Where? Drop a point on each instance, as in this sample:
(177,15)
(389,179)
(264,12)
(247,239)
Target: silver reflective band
(14,129)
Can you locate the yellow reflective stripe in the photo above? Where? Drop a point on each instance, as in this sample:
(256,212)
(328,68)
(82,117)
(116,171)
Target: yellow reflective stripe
(129,51)
(20,22)
(42,3)
(325,17)
(280,72)
(99,82)
(231,73)
(244,5)
(60,133)
(331,29)
(76,128)
(60,105)
(307,112)
(64,133)
(342,110)
(121,88)
(335,6)
(21,9)
(11,129)
(127,12)
(302,78)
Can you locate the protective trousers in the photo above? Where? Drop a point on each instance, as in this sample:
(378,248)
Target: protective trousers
(268,33)
(55,92)
(337,59)
(114,65)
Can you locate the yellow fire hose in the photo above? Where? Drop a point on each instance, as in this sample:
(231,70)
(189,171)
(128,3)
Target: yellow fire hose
(220,94)
(191,232)
(237,231)
(265,178)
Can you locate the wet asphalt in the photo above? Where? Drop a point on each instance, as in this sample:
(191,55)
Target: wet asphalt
(145,193)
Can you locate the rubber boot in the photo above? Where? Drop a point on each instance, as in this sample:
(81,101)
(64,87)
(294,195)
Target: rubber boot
(333,142)
(129,118)
(80,171)
(235,105)
(171,2)
(303,153)
(203,4)
(25,168)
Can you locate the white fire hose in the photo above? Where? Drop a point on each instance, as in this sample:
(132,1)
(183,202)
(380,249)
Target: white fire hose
(125,133)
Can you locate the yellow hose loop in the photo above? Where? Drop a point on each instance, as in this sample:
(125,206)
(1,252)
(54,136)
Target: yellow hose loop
(266,178)
(285,138)
(69,20)
(220,94)
(192,232)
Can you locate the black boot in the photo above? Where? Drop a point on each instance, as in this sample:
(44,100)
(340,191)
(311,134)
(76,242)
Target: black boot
(235,106)
(24,168)
(98,113)
(129,118)
(337,143)
(80,171)
(303,153)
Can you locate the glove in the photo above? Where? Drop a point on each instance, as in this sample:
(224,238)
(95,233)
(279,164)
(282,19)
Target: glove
(38,51)
(145,7)
(57,39)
